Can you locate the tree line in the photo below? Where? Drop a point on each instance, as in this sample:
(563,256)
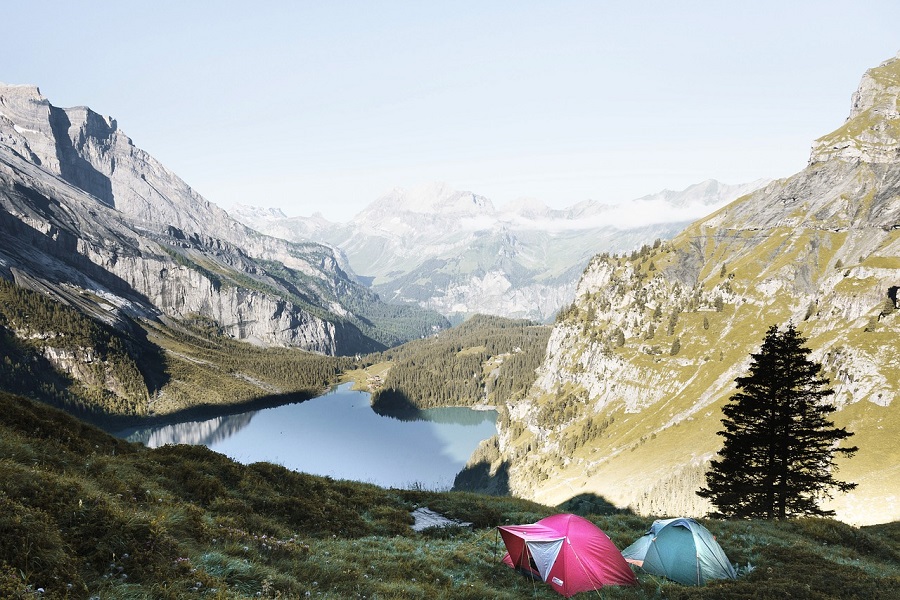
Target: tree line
(141,366)
(105,374)
(486,359)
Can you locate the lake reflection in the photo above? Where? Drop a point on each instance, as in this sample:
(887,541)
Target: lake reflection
(339,435)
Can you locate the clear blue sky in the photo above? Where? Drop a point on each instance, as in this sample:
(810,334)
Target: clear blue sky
(323,106)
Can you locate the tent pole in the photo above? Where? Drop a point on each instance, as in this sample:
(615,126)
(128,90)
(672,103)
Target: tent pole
(580,564)
(533,584)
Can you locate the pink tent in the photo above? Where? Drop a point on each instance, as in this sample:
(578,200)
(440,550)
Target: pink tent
(570,553)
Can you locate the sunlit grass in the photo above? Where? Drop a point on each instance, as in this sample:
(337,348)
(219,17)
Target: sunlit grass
(84,514)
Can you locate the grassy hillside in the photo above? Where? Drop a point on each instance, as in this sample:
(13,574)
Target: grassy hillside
(206,368)
(54,352)
(87,515)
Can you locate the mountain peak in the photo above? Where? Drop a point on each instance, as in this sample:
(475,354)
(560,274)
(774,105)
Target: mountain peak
(258,212)
(432,198)
(20,91)
(527,207)
(19,103)
(872,131)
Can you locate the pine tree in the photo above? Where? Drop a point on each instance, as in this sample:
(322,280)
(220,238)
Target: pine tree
(676,347)
(778,457)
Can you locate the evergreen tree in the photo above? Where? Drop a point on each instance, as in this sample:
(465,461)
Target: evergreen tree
(778,457)
(676,347)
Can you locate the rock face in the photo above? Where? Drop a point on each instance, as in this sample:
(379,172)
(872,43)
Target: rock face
(455,253)
(92,219)
(871,133)
(628,400)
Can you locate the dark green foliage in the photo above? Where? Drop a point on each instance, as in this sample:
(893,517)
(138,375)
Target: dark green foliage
(449,369)
(810,310)
(890,303)
(394,324)
(676,347)
(673,321)
(114,371)
(107,374)
(778,457)
(794,572)
(592,504)
(566,313)
(290,369)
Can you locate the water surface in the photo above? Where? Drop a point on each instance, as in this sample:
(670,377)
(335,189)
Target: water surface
(339,435)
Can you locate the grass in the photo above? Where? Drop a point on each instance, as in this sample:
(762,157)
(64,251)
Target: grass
(87,515)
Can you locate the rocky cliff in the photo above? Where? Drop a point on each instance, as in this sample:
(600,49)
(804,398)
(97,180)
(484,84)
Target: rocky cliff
(92,219)
(628,400)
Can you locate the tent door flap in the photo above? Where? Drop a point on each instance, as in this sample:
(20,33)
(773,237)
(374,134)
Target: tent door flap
(544,553)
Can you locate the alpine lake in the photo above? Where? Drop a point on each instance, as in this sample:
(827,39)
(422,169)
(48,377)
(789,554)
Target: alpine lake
(339,435)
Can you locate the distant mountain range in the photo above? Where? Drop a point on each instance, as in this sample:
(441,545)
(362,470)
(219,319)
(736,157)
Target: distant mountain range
(454,252)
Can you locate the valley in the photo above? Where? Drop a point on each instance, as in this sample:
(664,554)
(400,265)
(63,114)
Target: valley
(606,350)
(456,253)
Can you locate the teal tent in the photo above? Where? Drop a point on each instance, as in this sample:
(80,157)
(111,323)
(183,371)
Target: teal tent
(682,550)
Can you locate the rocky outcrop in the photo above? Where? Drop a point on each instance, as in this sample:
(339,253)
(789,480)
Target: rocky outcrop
(90,152)
(872,131)
(628,400)
(62,237)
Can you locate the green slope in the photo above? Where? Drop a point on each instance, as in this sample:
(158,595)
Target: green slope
(54,352)
(87,515)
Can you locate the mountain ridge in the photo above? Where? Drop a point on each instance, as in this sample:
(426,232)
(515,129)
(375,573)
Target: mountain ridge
(99,225)
(454,252)
(639,366)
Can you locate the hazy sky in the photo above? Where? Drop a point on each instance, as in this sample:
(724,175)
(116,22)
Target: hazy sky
(323,106)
